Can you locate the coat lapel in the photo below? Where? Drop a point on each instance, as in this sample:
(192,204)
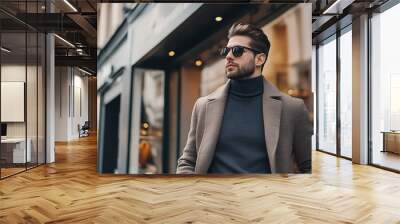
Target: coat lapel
(272,107)
(214,115)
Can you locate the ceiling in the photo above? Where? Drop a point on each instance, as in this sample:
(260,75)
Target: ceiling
(74,22)
(332,15)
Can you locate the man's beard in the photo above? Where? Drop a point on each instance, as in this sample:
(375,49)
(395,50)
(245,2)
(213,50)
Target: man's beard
(241,73)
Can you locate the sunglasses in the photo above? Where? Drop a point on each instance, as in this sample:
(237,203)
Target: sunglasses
(237,51)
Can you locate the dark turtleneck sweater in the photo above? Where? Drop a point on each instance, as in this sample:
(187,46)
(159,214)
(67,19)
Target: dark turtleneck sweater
(241,144)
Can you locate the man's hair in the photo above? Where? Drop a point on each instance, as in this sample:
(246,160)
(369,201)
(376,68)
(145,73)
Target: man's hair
(259,40)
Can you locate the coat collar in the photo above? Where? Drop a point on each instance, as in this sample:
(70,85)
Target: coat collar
(270,91)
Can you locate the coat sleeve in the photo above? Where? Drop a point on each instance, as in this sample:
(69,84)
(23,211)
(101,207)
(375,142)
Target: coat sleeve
(187,162)
(302,140)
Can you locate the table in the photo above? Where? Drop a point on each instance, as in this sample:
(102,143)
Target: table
(391,141)
(13,150)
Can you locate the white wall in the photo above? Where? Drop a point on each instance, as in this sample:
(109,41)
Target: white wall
(61,103)
(12,101)
(106,26)
(12,73)
(71,87)
(17,73)
(79,117)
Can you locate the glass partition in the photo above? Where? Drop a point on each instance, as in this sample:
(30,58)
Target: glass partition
(22,87)
(15,149)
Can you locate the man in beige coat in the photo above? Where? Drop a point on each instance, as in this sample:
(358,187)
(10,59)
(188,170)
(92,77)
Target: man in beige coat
(247,125)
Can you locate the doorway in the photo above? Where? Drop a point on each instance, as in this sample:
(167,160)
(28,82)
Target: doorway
(111,134)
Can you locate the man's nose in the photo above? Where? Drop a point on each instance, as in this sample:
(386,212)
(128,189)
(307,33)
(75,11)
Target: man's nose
(229,56)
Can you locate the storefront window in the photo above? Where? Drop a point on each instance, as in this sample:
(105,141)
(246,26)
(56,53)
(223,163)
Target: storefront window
(151,154)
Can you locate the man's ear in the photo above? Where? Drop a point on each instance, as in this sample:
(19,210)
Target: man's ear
(260,59)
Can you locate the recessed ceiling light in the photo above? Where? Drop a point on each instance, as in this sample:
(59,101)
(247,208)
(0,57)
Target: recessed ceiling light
(70,5)
(64,40)
(5,50)
(337,7)
(198,62)
(84,71)
(218,18)
(171,53)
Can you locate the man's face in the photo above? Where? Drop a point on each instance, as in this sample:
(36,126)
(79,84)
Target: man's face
(239,67)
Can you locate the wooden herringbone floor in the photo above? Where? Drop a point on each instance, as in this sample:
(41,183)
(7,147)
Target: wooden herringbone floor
(70,191)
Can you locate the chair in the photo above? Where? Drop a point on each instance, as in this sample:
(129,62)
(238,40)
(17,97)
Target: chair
(84,130)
